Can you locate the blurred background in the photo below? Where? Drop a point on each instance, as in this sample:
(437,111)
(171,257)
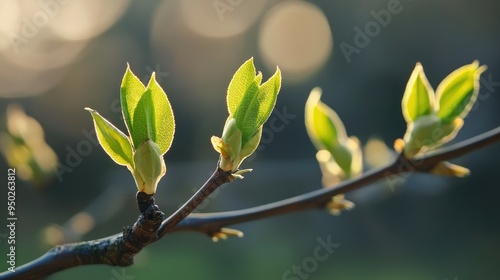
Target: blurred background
(57,57)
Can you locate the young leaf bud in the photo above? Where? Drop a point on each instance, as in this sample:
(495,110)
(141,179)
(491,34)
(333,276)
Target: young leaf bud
(450,169)
(149,166)
(428,132)
(343,157)
(422,132)
(250,146)
(229,146)
(232,137)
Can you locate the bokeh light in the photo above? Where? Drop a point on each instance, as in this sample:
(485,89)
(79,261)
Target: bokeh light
(82,20)
(194,56)
(9,21)
(42,37)
(220,18)
(59,56)
(296,36)
(23,146)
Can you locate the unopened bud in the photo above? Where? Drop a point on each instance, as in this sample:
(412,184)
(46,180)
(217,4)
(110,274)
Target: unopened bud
(450,169)
(428,131)
(149,166)
(343,157)
(232,137)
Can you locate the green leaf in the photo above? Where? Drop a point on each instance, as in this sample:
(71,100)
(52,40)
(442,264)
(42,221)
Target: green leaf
(113,141)
(343,157)
(239,85)
(418,99)
(268,94)
(257,104)
(147,111)
(131,91)
(153,118)
(251,145)
(246,114)
(322,123)
(458,92)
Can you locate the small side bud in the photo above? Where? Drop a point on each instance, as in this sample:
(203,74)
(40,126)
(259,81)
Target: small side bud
(343,162)
(239,174)
(428,132)
(229,145)
(232,137)
(338,204)
(224,233)
(149,166)
(231,148)
(354,147)
(399,145)
(225,152)
(450,169)
(421,133)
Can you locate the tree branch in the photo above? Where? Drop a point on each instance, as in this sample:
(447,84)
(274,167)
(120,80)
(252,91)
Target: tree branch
(115,250)
(119,249)
(218,178)
(209,223)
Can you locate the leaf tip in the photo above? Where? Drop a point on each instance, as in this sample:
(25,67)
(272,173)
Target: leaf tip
(315,94)
(418,97)
(481,69)
(278,71)
(277,74)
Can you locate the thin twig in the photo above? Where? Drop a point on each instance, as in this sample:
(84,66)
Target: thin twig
(218,178)
(115,250)
(151,226)
(212,222)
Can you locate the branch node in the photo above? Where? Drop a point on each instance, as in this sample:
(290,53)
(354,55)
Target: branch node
(145,201)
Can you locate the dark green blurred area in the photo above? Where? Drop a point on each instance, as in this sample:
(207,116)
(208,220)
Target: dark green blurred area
(428,228)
